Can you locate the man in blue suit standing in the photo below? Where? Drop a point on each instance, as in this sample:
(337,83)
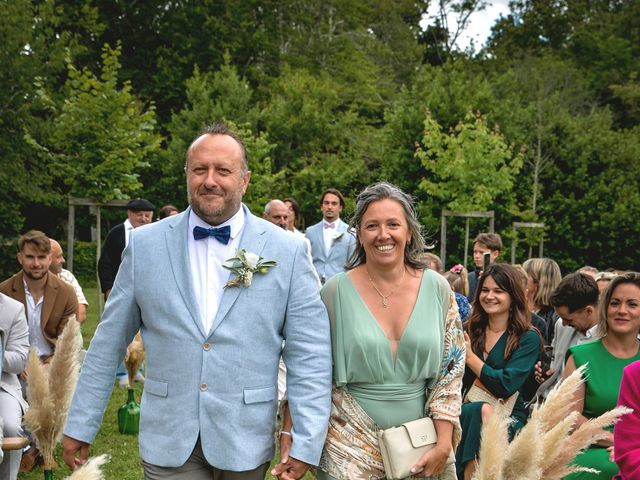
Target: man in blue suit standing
(213,336)
(331,241)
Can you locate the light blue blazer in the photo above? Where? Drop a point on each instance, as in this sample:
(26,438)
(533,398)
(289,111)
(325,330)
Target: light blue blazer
(220,385)
(328,264)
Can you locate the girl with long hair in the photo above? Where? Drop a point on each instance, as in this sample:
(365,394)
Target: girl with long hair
(501,351)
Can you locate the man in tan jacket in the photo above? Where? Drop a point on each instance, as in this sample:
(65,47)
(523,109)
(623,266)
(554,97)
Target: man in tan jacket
(48,300)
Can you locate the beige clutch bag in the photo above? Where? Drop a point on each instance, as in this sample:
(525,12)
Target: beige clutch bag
(478,394)
(402,446)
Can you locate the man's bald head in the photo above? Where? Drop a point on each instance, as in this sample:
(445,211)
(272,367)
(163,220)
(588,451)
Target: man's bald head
(57,257)
(277,212)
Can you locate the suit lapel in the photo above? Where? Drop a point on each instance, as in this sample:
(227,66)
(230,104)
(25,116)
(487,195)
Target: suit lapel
(178,253)
(50,293)
(253,240)
(18,289)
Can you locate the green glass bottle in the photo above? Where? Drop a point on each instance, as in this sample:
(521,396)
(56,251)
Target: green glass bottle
(129,416)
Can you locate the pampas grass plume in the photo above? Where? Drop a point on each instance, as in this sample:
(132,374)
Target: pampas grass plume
(51,389)
(134,357)
(559,401)
(91,469)
(494,441)
(545,447)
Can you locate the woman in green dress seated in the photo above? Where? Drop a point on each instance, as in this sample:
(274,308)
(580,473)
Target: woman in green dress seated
(501,350)
(617,347)
(398,346)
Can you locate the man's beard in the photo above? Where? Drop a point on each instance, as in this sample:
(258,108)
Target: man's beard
(31,275)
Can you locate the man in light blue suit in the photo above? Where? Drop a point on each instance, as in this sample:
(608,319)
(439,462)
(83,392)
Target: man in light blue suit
(331,241)
(209,401)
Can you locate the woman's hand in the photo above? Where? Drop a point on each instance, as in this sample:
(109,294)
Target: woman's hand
(432,463)
(467,344)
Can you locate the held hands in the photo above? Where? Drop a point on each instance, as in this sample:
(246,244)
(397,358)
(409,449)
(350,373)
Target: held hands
(467,344)
(70,447)
(289,468)
(432,463)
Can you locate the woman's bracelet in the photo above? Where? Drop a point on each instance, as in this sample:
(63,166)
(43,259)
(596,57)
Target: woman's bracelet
(284,432)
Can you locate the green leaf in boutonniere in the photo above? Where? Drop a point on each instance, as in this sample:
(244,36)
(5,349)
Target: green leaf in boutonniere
(245,264)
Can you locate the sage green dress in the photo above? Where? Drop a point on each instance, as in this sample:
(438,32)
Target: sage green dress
(391,391)
(604,375)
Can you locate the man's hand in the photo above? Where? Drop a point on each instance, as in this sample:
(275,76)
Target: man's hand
(289,469)
(70,447)
(540,375)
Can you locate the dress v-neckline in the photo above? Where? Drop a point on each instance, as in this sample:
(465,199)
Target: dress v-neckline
(379,327)
(494,346)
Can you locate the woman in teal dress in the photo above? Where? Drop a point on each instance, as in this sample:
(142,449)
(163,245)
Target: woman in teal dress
(398,347)
(617,347)
(501,350)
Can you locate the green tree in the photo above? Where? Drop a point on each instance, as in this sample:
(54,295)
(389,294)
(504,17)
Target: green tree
(100,138)
(469,168)
(220,96)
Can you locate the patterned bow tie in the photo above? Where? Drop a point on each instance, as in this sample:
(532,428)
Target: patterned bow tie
(329,225)
(222,234)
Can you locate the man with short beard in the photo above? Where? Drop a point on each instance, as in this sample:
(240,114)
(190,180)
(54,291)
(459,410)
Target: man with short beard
(214,291)
(48,300)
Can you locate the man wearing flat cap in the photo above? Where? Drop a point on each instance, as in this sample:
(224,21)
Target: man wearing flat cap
(139,212)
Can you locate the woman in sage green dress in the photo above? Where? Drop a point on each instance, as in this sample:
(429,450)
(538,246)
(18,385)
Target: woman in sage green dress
(617,347)
(501,350)
(398,347)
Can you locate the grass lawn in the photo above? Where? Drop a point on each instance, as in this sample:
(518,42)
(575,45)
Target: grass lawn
(125,461)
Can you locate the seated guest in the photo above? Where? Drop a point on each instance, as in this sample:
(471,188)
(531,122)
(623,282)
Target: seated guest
(48,301)
(626,433)
(457,278)
(603,279)
(57,261)
(544,276)
(502,348)
(575,299)
(433,262)
(606,358)
(14,348)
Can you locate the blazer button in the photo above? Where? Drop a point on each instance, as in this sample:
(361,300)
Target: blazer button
(203,387)
(207,346)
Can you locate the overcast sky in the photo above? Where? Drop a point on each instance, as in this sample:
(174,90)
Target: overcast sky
(480,22)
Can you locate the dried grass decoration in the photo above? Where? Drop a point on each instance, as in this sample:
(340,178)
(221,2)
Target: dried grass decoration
(129,413)
(91,469)
(547,444)
(50,391)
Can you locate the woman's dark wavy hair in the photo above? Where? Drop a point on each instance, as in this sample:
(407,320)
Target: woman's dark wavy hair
(383,191)
(508,278)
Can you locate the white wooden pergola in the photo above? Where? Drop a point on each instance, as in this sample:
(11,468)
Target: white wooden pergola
(71,232)
(467,215)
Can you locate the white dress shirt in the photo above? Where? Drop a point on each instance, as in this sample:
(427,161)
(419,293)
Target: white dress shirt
(127,231)
(329,233)
(206,258)
(34,314)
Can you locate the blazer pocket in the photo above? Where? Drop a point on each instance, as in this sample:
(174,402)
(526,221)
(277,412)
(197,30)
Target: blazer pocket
(155,387)
(260,394)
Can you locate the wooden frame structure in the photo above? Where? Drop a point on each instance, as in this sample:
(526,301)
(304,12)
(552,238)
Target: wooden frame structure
(514,229)
(71,232)
(467,215)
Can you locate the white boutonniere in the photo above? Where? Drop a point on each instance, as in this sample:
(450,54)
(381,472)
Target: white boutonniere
(336,236)
(245,264)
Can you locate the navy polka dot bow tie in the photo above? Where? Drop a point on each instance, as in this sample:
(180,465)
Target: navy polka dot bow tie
(221,234)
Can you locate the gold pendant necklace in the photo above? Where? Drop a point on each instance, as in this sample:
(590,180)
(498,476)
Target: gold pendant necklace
(385,298)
